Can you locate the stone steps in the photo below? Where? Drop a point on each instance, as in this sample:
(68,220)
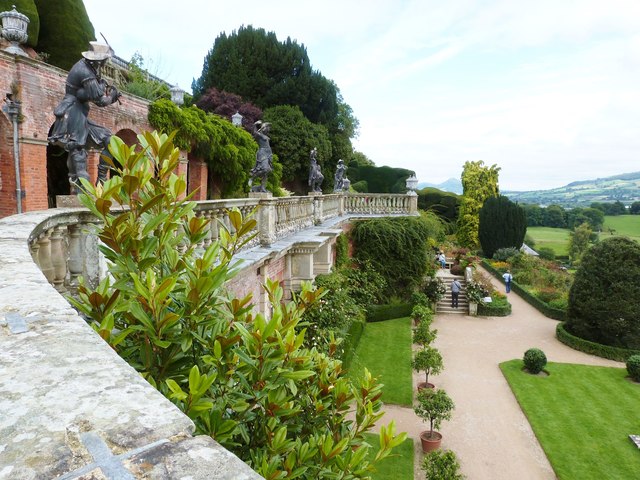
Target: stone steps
(444,305)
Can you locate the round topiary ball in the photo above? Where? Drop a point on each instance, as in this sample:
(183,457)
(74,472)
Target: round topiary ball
(633,367)
(534,360)
(604,300)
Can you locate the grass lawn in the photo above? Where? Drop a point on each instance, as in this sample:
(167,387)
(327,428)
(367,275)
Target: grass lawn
(555,238)
(399,466)
(385,350)
(582,416)
(622,225)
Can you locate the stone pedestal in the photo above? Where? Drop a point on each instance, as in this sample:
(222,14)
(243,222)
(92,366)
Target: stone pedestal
(67,201)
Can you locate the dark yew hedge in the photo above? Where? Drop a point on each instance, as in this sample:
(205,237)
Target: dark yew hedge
(593,348)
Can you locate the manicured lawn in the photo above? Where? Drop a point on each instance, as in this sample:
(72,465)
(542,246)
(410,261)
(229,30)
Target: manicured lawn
(399,466)
(622,225)
(582,416)
(385,350)
(555,238)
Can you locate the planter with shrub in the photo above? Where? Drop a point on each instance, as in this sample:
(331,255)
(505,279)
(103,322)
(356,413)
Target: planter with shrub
(433,406)
(429,361)
(441,465)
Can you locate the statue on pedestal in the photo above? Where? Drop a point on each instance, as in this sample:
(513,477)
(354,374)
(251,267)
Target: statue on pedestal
(264,155)
(338,179)
(315,174)
(72,129)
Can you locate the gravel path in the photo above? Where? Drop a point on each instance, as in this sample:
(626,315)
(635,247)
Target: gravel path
(488,432)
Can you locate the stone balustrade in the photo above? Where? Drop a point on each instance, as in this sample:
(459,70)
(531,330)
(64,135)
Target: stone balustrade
(69,406)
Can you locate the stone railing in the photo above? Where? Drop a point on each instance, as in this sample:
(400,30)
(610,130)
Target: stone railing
(73,406)
(65,247)
(380,203)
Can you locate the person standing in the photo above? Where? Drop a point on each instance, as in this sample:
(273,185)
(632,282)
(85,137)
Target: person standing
(455,292)
(443,260)
(507,280)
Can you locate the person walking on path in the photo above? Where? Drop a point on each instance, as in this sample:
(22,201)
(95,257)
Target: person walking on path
(442,259)
(455,292)
(507,280)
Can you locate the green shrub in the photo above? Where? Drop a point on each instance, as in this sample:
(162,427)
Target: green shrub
(504,254)
(499,306)
(423,335)
(380,313)
(441,465)
(342,250)
(419,298)
(592,348)
(394,247)
(633,367)
(427,360)
(546,253)
(534,360)
(244,379)
(604,301)
(422,314)
(350,343)
(434,289)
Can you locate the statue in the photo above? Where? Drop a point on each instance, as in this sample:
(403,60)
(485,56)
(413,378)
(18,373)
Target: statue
(315,174)
(263,166)
(72,129)
(338,182)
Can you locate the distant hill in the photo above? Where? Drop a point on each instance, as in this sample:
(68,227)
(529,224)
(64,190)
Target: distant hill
(452,185)
(624,187)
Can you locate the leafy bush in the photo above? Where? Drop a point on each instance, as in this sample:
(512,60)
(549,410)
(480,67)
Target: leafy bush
(604,301)
(457,269)
(504,254)
(364,283)
(342,250)
(633,367)
(419,298)
(434,289)
(244,379)
(380,313)
(441,465)
(429,361)
(534,360)
(423,334)
(434,406)
(503,224)
(394,247)
(475,292)
(546,253)
(547,294)
(499,306)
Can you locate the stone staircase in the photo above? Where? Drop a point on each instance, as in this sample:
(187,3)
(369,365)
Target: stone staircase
(444,305)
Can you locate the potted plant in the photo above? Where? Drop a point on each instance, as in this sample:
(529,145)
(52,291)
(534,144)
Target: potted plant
(421,314)
(429,361)
(433,406)
(423,335)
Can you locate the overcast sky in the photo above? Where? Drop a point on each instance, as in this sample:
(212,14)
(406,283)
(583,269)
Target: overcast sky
(549,90)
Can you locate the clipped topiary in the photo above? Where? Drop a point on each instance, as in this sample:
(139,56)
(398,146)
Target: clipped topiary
(633,367)
(604,300)
(534,360)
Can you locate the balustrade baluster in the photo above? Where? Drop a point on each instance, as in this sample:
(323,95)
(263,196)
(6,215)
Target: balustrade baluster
(75,254)
(58,257)
(44,255)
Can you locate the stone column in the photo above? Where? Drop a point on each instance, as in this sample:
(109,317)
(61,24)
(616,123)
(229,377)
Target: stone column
(323,257)
(266,217)
(301,264)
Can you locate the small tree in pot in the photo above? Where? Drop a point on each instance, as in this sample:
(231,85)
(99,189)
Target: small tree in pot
(433,406)
(423,335)
(429,361)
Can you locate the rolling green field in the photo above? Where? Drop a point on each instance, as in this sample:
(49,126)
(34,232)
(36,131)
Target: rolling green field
(622,225)
(555,238)
(558,238)
(582,417)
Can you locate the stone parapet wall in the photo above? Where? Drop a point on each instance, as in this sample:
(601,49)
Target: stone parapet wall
(70,407)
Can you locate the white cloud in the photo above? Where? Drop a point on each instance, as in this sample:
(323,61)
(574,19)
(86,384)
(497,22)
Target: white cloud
(545,89)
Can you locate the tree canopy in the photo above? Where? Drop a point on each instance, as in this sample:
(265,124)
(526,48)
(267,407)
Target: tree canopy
(479,182)
(502,224)
(254,64)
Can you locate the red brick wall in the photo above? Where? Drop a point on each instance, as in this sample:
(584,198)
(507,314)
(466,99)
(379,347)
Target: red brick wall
(42,88)
(198,178)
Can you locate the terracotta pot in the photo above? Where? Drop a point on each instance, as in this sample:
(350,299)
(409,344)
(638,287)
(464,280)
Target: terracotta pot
(430,444)
(423,385)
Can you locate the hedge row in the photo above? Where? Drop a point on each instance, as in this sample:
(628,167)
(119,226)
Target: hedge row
(490,310)
(586,346)
(542,307)
(350,342)
(379,313)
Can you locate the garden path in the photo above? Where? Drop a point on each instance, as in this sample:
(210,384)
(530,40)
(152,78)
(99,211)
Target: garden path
(488,432)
